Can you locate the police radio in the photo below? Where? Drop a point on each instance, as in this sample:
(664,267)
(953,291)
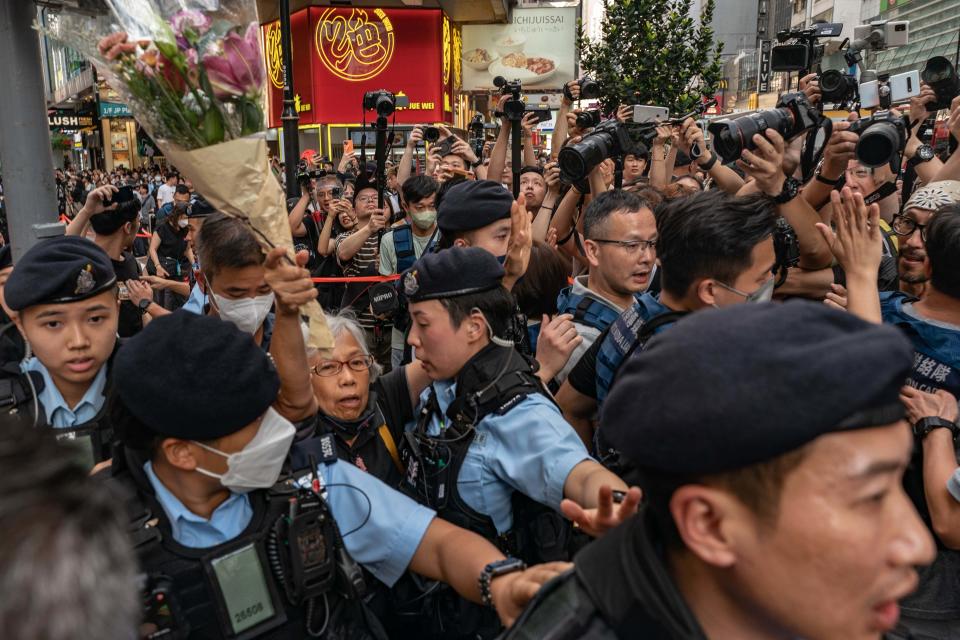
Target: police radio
(301,546)
(162,617)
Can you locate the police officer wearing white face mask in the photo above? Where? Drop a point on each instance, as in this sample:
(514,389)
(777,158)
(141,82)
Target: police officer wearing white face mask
(233,276)
(227,551)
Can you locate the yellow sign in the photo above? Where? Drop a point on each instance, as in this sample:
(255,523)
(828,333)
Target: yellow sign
(446,50)
(457,54)
(274,50)
(355,48)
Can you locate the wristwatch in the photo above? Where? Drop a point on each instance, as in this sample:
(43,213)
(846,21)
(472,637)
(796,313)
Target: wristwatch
(924,154)
(495,570)
(706,166)
(826,181)
(144,305)
(791,188)
(924,426)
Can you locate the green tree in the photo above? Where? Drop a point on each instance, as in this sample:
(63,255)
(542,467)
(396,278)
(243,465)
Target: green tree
(653,52)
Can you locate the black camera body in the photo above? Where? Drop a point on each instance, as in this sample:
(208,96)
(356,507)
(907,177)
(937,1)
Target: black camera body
(792,116)
(805,53)
(384,102)
(514,108)
(589,89)
(609,139)
(588,119)
(431,134)
(838,87)
(942,78)
(882,139)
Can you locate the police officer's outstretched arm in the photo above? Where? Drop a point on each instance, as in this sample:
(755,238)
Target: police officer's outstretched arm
(292,288)
(457,556)
(588,492)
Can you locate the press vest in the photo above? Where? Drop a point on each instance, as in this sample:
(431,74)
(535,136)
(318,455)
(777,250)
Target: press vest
(586,310)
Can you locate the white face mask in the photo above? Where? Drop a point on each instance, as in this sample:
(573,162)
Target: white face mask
(183,223)
(257,465)
(247,313)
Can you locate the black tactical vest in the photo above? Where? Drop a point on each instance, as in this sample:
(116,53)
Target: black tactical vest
(309,586)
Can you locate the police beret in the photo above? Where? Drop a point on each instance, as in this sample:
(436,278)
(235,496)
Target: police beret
(62,269)
(452,272)
(473,204)
(725,389)
(194,377)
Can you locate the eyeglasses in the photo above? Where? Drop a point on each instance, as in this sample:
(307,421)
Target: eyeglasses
(632,246)
(367,199)
(860,173)
(905,226)
(328,368)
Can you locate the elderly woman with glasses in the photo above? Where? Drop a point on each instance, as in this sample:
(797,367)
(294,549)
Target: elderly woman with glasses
(365,412)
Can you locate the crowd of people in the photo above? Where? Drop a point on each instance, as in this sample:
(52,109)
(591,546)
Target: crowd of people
(681,398)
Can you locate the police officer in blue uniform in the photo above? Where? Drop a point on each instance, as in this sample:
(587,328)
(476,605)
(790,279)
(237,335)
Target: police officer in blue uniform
(64,291)
(738,467)
(230,552)
(714,250)
(487,432)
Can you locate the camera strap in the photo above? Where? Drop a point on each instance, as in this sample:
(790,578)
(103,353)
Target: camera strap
(883,191)
(811,156)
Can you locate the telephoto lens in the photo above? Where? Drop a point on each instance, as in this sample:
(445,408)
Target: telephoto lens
(882,139)
(588,119)
(793,115)
(431,134)
(942,78)
(609,139)
(837,86)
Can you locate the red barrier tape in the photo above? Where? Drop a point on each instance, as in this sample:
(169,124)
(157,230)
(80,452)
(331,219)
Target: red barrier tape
(358,279)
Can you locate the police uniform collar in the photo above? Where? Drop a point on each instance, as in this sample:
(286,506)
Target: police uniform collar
(626,575)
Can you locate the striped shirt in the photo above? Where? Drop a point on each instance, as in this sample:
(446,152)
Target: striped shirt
(364,263)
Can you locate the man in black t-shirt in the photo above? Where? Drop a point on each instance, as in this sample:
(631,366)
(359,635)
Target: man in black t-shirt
(116,225)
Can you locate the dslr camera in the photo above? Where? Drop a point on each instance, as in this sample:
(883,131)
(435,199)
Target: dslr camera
(792,116)
(588,119)
(384,102)
(942,78)
(608,139)
(882,139)
(430,133)
(514,108)
(589,89)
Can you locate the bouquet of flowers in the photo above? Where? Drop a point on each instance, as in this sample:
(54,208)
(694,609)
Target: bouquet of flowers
(193,74)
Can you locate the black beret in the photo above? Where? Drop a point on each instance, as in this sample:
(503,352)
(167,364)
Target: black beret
(194,377)
(473,204)
(725,389)
(451,272)
(6,257)
(62,269)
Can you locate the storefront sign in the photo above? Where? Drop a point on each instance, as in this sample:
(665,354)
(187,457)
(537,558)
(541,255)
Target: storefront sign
(536,47)
(341,53)
(114,110)
(60,121)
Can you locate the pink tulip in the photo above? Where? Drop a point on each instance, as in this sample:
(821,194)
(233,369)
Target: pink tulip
(239,69)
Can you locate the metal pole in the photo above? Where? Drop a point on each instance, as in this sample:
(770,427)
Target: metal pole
(28,181)
(289,117)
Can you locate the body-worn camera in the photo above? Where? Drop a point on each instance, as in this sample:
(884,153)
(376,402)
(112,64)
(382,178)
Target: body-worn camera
(792,116)
(384,102)
(588,119)
(882,138)
(589,89)
(942,78)
(838,87)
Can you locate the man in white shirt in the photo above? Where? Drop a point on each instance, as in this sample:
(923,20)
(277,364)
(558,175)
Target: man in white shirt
(166,190)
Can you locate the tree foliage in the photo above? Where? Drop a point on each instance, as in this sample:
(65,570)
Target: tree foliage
(653,52)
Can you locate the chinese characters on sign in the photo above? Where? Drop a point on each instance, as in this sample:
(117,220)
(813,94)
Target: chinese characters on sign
(355,47)
(273,47)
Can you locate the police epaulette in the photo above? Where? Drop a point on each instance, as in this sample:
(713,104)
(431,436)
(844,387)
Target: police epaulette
(328,449)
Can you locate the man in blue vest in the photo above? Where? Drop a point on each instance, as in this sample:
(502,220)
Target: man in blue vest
(715,250)
(620,238)
(406,242)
